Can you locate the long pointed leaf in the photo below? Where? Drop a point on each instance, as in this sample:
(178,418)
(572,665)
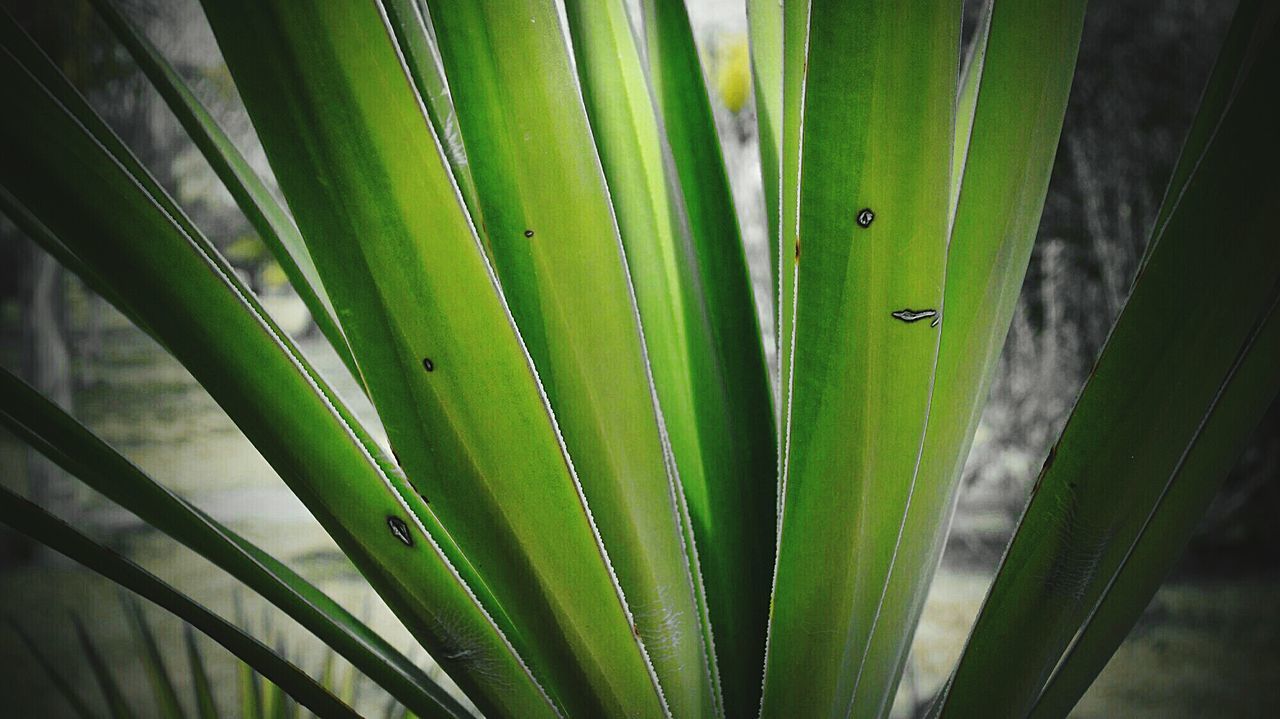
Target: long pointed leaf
(60,437)
(1243,399)
(43,527)
(874,185)
(434,340)
(416,36)
(795,60)
(764,22)
(718,414)
(1207,286)
(730,474)
(556,247)
(1019,78)
(654,231)
(77,179)
(1238,47)
(271,221)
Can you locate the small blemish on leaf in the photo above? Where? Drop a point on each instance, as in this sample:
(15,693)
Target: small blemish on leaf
(910,315)
(528,233)
(399,530)
(428,365)
(865,216)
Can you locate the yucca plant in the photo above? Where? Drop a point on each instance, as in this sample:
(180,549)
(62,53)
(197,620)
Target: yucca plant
(511,220)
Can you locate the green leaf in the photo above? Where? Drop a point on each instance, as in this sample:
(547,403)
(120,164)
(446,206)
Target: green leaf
(167,704)
(250,689)
(39,234)
(1248,390)
(60,437)
(43,527)
(436,344)
(1134,437)
(1013,98)
(273,706)
(105,208)
(1239,47)
(59,681)
(117,708)
(874,184)
(715,398)
(660,258)
(206,706)
(764,23)
(417,39)
(795,58)
(271,221)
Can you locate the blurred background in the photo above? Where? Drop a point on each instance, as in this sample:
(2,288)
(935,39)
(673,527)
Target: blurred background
(1208,645)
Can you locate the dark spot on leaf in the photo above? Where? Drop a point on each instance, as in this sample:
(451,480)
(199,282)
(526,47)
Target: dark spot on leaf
(797,249)
(400,530)
(865,216)
(428,365)
(528,233)
(910,315)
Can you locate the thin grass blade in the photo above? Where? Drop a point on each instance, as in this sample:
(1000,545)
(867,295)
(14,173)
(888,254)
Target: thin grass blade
(56,677)
(117,707)
(249,685)
(201,687)
(166,697)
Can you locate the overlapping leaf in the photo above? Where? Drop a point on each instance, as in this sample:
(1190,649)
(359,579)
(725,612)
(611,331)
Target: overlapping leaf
(879,102)
(75,177)
(356,157)
(50,430)
(1165,404)
(38,524)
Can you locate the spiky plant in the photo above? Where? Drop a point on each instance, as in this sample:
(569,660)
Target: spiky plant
(511,220)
